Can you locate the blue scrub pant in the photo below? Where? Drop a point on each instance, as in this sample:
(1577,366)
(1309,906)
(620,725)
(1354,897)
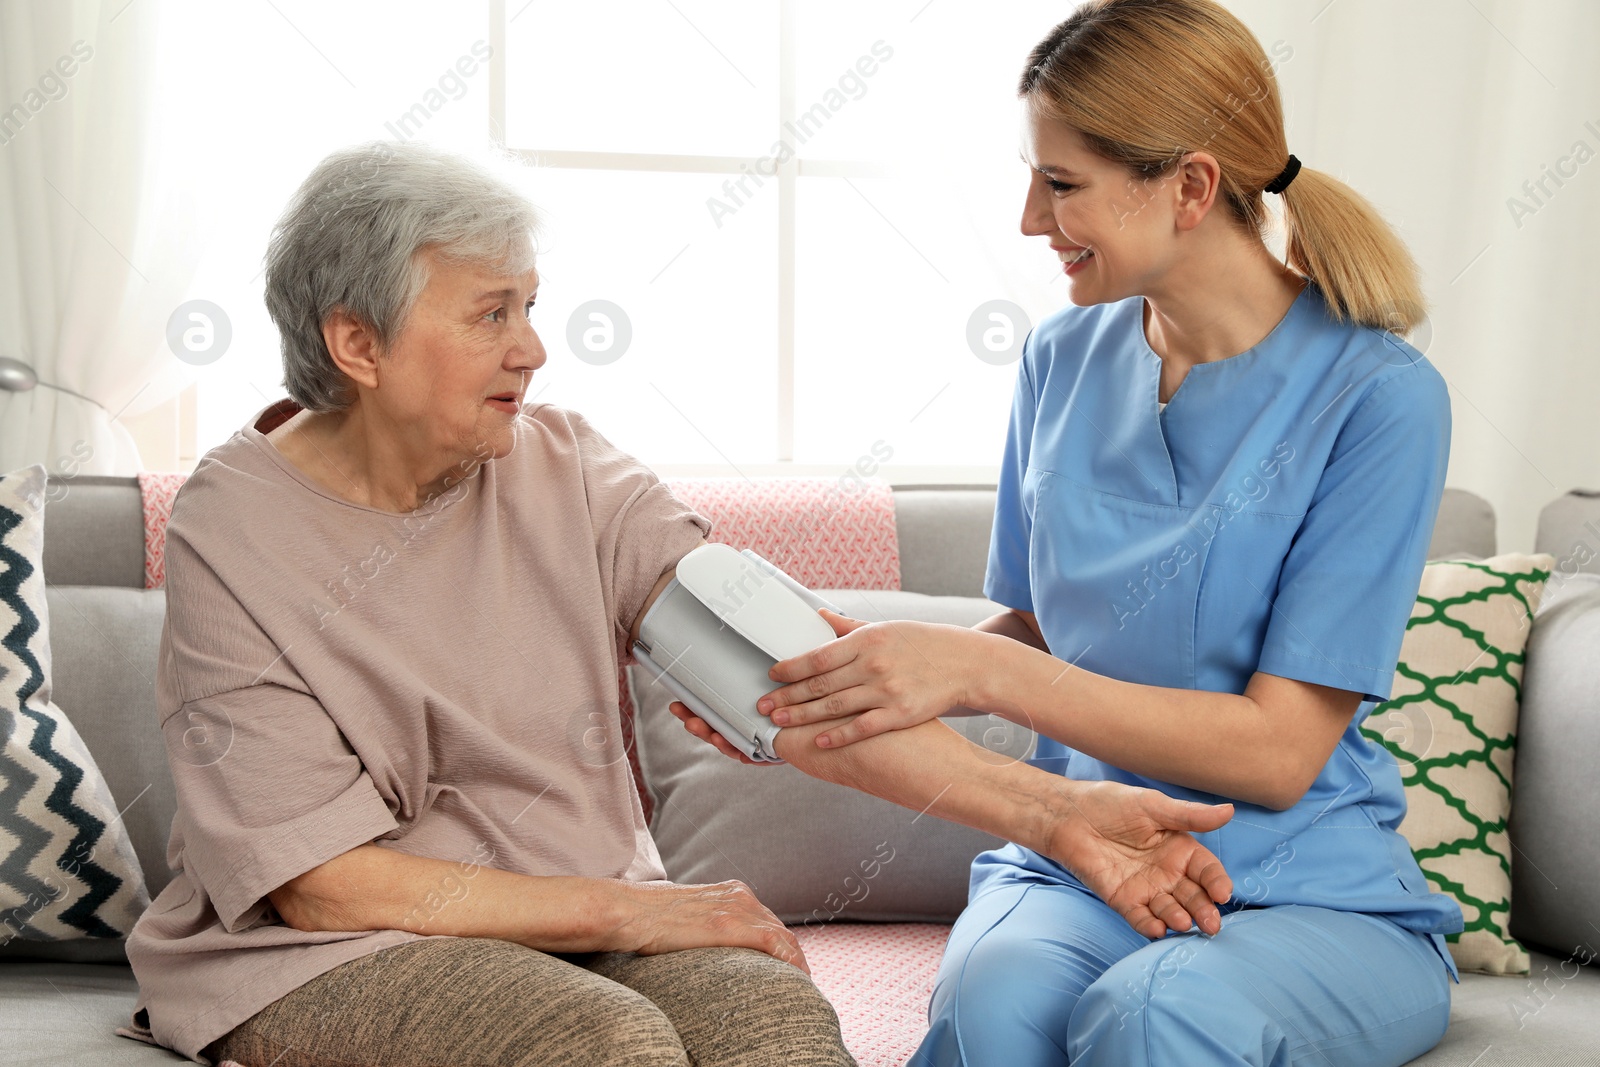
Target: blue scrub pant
(1041,973)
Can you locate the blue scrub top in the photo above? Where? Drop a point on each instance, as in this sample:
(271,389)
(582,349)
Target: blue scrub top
(1274,517)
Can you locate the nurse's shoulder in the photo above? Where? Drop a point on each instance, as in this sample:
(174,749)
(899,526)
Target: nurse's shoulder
(1384,370)
(1066,339)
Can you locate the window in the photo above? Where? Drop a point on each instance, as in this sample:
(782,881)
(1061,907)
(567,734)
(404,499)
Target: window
(771,227)
(251,97)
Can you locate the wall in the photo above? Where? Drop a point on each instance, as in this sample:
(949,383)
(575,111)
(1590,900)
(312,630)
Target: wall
(1439,111)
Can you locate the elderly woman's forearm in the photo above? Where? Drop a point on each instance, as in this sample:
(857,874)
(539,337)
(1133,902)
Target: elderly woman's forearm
(376,888)
(1132,847)
(931,768)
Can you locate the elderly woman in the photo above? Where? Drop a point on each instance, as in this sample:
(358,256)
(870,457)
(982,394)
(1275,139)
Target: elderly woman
(397,602)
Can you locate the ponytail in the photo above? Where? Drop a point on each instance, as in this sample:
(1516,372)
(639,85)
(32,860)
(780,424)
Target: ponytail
(1338,240)
(1145,81)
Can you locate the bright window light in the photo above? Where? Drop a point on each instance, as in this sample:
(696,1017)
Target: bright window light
(771,226)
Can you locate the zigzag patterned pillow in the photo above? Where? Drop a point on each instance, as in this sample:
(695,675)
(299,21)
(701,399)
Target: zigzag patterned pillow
(67,865)
(1452,725)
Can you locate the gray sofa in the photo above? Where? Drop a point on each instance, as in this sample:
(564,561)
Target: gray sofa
(105,629)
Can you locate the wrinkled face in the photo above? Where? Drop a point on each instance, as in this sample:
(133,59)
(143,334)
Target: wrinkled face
(1114,233)
(453,380)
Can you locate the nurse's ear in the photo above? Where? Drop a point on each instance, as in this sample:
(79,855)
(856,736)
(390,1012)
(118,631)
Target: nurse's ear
(1194,188)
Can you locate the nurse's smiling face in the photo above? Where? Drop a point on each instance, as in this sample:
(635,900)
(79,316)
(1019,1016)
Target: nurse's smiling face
(1114,234)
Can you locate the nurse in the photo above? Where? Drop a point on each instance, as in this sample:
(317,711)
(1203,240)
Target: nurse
(1215,502)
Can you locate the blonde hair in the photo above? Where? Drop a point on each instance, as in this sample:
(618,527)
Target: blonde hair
(1146,81)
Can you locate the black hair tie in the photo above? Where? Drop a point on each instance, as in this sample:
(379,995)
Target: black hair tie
(1281,182)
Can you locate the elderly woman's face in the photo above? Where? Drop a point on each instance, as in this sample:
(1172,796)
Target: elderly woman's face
(458,371)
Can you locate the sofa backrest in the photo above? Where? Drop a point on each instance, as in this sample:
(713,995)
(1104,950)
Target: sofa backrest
(944,534)
(105,627)
(1465,527)
(94,531)
(944,537)
(1569,529)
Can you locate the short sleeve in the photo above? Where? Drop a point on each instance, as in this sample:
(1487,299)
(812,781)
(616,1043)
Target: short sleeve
(1006,580)
(640,529)
(268,786)
(1351,576)
(267,789)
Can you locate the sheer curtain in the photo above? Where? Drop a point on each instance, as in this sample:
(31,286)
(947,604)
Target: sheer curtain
(91,266)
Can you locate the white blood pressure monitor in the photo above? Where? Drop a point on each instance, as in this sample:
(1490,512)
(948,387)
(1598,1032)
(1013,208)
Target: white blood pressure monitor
(717,629)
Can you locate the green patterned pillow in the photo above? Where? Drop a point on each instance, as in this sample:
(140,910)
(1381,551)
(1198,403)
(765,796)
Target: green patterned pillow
(1451,723)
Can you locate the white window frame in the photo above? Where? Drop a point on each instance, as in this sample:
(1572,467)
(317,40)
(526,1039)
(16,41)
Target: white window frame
(789,171)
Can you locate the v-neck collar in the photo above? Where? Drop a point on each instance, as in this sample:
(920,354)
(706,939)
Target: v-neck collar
(1151,365)
(1143,343)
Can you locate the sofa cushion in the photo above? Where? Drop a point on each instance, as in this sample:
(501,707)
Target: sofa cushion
(715,819)
(66,1015)
(878,977)
(1561,587)
(1556,868)
(1452,724)
(67,867)
(1544,1020)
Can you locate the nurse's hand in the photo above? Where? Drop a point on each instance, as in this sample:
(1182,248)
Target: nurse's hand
(1133,848)
(899,674)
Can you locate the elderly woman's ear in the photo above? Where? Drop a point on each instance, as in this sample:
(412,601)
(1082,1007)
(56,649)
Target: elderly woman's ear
(354,346)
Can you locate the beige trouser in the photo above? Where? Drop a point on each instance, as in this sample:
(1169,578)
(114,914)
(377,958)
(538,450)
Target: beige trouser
(490,1003)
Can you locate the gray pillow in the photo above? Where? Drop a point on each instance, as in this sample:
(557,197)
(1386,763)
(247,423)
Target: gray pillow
(810,850)
(1555,870)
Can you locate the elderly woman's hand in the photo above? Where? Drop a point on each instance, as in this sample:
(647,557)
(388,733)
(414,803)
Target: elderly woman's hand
(702,729)
(1133,847)
(899,674)
(661,917)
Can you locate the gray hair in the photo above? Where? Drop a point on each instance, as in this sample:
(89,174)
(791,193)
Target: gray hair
(350,239)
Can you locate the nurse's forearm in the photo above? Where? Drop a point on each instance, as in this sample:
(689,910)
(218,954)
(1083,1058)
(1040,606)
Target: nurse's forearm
(1007,624)
(1222,743)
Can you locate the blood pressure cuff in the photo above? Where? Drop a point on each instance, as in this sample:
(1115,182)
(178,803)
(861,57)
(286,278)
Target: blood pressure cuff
(716,630)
